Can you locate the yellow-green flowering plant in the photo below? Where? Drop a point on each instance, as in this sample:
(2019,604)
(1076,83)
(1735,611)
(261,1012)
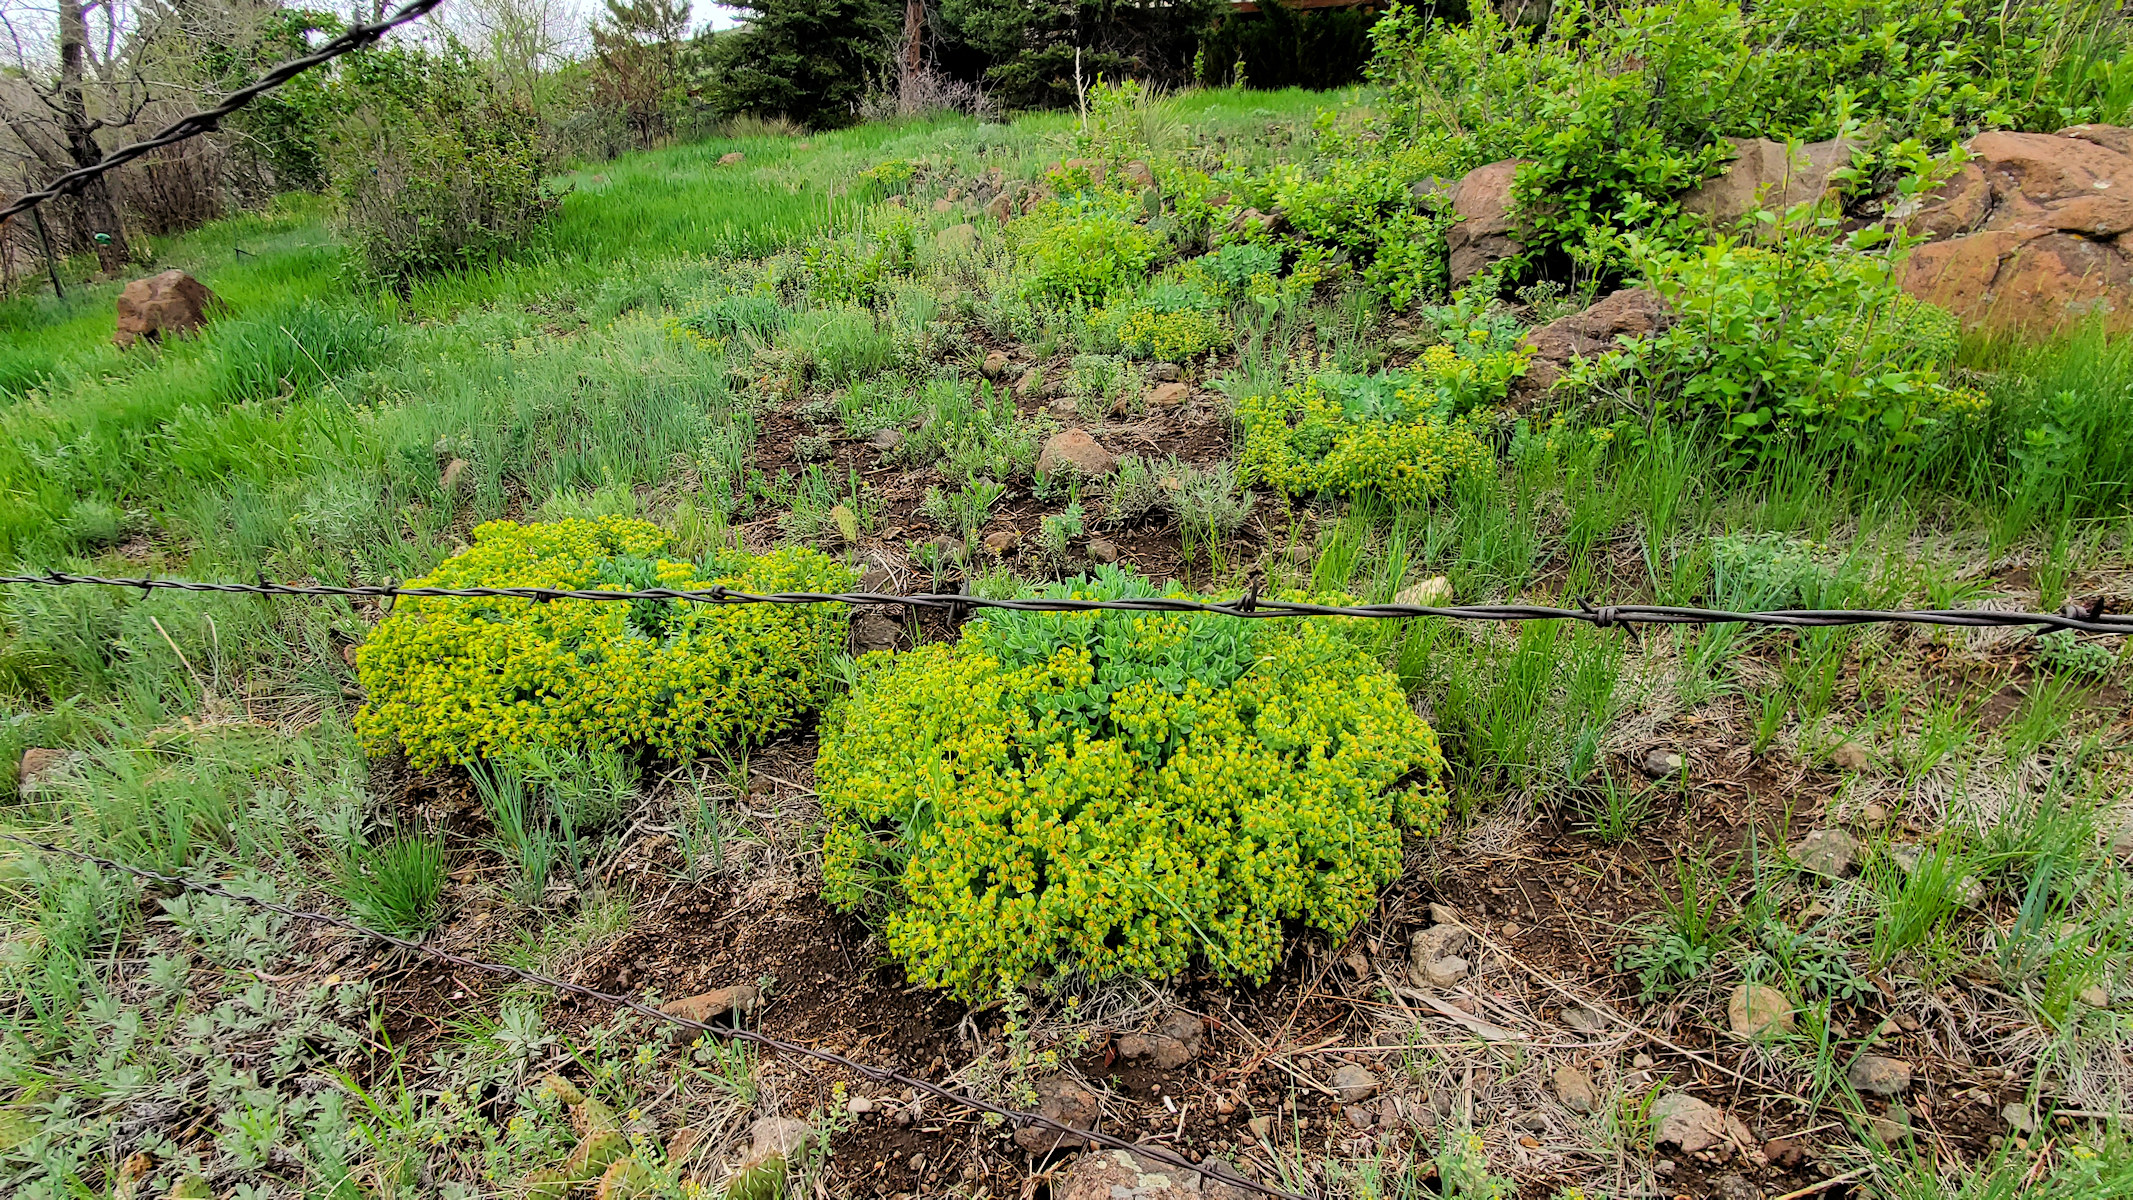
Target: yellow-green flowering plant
(1385,434)
(1119,792)
(463,679)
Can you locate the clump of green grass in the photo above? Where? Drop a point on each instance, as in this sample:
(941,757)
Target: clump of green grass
(393,887)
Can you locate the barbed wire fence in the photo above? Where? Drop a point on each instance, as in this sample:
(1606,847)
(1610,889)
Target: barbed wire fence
(2079,618)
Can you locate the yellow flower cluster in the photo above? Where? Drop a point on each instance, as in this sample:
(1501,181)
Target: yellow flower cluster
(1302,442)
(1072,813)
(457,680)
(1170,336)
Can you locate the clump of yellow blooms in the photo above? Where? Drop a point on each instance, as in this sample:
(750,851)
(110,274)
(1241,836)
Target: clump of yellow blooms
(1170,336)
(1303,441)
(1119,792)
(463,679)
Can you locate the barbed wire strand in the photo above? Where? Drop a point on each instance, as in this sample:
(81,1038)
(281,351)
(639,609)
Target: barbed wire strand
(1249,605)
(1017,1118)
(356,37)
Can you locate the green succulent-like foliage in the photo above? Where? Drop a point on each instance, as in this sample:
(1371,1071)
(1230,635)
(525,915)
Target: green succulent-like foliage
(463,679)
(1119,792)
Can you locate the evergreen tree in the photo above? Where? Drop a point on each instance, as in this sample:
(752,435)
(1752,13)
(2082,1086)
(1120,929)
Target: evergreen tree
(810,60)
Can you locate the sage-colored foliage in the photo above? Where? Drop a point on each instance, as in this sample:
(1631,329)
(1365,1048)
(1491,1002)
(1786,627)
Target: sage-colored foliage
(1119,793)
(460,680)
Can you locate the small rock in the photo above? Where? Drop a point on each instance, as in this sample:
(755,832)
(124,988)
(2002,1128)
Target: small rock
(1907,856)
(1120,1174)
(1510,929)
(1032,380)
(1358,1116)
(1682,1120)
(1139,174)
(875,631)
(1261,1127)
(1590,1022)
(2019,1118)
(886,439)
(1171,1045)
(38,764)
(1643,1062)
(1783,1154)
(1434,592)
(730,157)
(1891,1129)
(1873,816)
(1438,941)
(1660,763)
(1755,1011)
(1062,1099)
(1733,1187)
(943,204)
(1303,556)
(1166,372)
(995,364)
(1002,543)
(2095,996)
(740,998)
(777,1135)
(918,1162)
(1574,1088)
(1850,758)
(947,549)
(1532,1122)
(349,653)
(1075,449)
(859,1106)
(1828,852)
(1103,550)
(1442,914)
(1354,1084)
(1169,395)
(1880,1076)
(448,482)
(1065,407)
(1444,972)
(957,239)
(1664,1168)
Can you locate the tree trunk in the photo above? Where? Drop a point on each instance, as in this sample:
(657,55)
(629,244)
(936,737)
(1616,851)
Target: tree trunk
(98,209)
(914,53)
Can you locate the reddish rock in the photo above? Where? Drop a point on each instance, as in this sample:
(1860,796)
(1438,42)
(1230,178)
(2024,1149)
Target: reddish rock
(1482,235)
(1631,312)
(1139,174)
(37,764)
(448,482)
(741,998)
(730,158)
(1166,395)
(1074,448)
(995,365)
(1170,1045)
(1763,175)
(2036,232)
(168,305)
(1121,1175)
(1062,1099)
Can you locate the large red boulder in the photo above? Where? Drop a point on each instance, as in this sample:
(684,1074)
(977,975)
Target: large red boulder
(1482,234)
(1766,175)
(2035,232)
(168,305)
(1630,312)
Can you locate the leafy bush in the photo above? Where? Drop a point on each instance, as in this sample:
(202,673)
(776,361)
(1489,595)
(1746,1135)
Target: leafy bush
(460,680)
(1118,792)
(1391,435)
(1802,341)
(434,167)
(1084,248)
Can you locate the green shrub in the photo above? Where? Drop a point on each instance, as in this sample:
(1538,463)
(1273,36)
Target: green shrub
(1119,792)
(1171,323)
(713,325)
(1084,248)
(1399,436)
(461,680)
(1805,342)
(434,167)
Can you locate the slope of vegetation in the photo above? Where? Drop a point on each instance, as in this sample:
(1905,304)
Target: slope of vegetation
(1364,908)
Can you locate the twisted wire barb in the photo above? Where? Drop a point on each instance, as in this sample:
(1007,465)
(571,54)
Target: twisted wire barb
(356,37)
(1017,1118)
(1250,605)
